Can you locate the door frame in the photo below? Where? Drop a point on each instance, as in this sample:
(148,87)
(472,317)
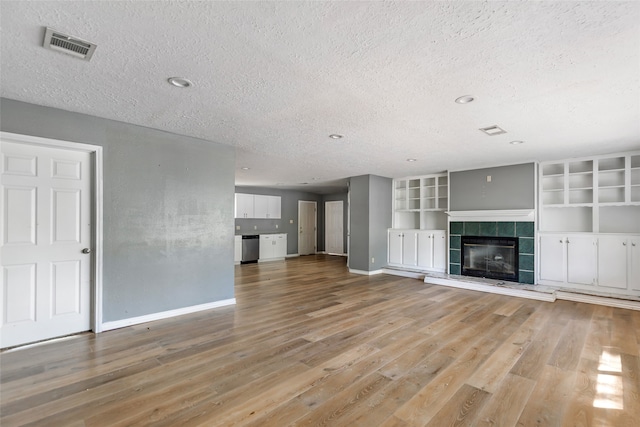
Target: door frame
(315,224)
(95,152)
(326,228)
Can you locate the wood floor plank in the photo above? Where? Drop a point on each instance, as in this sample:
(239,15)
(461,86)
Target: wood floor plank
(310,343)
(507,402)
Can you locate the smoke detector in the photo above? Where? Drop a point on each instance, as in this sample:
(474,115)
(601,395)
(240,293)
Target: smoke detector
(60,42)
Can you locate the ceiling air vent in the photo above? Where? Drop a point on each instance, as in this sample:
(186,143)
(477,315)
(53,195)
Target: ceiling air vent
(493,130)
(55,40)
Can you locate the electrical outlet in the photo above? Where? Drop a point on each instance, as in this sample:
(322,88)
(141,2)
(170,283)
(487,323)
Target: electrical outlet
(255,227)
(373,260)
(237,227)
(488,178)
(290,221)
(276,225)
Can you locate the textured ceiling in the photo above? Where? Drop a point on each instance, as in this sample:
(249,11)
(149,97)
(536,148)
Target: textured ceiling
(274,79)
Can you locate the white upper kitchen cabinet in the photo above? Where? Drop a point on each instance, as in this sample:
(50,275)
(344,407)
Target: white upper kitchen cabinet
(267,207)
(244,205)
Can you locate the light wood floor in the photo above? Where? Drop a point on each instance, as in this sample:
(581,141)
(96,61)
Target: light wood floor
(310,344)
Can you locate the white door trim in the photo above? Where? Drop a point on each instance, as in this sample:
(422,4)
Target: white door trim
(315,224)
(96,206)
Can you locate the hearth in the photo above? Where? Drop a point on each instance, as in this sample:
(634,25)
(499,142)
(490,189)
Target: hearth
(490,257)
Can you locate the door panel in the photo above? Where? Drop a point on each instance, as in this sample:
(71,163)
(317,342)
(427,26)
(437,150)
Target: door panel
(395,247)
(552,249)
(612,262)
(20,289)
(46,224)
(20,222)
(307,227)
(581,260)
(410,248)
(334,242)
(425,250)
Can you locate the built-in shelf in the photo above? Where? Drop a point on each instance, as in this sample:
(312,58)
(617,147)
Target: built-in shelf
(420,202)
(586,185)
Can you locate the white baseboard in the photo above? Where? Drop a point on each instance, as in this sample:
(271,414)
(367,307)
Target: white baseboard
(107,326)
(366,273)
(292,255)
(522,293)
(592,299)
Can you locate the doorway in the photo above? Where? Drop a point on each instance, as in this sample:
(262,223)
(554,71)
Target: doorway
(51,238)
(307,226)
(334,227)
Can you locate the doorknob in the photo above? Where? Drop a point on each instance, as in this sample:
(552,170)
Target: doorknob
(86,251)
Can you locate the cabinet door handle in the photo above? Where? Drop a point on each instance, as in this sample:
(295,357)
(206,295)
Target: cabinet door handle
(624,243)
(633,244)
(568,241)
(560,240)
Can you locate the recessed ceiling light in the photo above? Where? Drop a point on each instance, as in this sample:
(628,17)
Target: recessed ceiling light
(493,130)
(244,168)
(464,99)
(412,160)
(516,142)
(180,82)
(335,136)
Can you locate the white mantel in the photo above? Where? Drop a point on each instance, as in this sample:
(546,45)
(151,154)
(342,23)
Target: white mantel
(522,215)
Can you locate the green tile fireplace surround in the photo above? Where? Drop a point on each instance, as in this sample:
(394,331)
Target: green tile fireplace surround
(524,231)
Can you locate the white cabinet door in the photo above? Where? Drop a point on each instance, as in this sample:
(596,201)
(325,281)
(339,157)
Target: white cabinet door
(425,249)
(612,261)
(266,247)
(274,208)
(552,266)
(395,247)
(244,205)
(410,248)
(280,245)
(260,206)
(581,260)
(440,250)
(634,266)
(237,249)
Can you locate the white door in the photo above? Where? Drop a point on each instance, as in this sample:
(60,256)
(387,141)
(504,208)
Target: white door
(612,261)
(581,260)
(552,266)
(46,224)
(334,229)
(307,220)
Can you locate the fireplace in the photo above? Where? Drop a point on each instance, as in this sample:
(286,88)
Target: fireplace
(490,257)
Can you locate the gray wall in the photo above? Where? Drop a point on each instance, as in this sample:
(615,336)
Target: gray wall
(289,212)
(380,219)
(168,210)
(359,227)
(371,214)
(511,187)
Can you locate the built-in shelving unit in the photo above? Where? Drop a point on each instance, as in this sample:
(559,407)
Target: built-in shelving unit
(597,194)
(420,202)
(589,216)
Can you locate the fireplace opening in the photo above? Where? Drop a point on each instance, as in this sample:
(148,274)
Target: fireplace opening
(490,257)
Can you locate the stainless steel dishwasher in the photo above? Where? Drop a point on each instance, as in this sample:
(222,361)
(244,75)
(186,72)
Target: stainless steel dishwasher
(250,248)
